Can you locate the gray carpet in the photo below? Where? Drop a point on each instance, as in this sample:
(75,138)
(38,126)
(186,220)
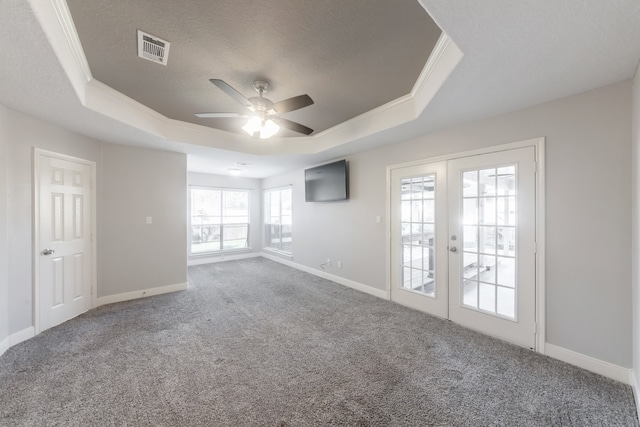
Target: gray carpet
(255,343)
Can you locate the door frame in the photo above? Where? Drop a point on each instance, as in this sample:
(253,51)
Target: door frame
(38,153)
(540,226)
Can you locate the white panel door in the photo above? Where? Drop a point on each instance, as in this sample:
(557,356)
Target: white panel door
(492,244)
(419,238)
(64,239)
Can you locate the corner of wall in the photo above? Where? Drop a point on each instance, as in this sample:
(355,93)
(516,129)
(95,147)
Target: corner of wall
(4,248)
(635,233)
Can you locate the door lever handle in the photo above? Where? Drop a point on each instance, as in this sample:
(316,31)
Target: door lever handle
(48,252)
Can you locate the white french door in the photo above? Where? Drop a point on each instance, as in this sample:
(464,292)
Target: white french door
(420,229)
(463,241)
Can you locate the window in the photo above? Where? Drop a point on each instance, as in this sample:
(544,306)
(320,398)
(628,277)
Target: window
(219,220)
(277,220)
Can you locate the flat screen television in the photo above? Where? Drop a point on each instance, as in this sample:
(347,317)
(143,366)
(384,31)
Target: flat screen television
(327,183)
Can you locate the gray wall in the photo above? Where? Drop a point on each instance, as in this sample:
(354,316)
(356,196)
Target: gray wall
(635,252)
(132,255)
(138,183)
(23,134)
(255,200)
(4,282)
(588,213)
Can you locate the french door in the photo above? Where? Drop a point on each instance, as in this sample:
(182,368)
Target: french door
(463,241)
(419,266)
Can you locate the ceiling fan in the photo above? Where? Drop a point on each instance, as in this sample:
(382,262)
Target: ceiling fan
(263,114)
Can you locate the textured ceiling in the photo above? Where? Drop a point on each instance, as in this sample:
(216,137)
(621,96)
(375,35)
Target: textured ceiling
(516,54)
(349,56)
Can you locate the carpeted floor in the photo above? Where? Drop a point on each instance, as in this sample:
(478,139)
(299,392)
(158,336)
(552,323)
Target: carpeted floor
(255,343)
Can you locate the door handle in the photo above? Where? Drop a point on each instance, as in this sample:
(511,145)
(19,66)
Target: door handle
(453,249)
(48,252)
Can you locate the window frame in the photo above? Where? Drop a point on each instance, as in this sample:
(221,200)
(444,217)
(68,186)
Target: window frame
(266,209)
(221,249)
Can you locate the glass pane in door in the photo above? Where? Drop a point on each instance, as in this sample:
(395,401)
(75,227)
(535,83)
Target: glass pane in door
(418,234)
(487,276)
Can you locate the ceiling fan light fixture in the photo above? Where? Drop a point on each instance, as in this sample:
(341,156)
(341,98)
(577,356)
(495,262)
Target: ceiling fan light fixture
(262,110)
(265,128)
(253,125)
(269,129)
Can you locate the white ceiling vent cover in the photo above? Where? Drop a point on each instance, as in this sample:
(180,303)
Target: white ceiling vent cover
(152,48)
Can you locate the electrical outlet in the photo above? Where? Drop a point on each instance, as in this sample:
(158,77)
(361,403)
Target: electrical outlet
(328,261)
(339,264)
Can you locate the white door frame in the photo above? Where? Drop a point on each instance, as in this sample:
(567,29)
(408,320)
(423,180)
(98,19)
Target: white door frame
(37,154)
(540,285)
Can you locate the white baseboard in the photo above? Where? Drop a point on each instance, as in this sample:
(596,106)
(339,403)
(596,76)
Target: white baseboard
(127,296)
(220,258)
(16,338)
(589,363)
(341,280)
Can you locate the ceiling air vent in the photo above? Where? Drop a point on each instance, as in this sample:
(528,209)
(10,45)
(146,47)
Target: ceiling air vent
(152,48)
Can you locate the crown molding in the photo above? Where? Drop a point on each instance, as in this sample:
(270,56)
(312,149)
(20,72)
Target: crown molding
(56,21)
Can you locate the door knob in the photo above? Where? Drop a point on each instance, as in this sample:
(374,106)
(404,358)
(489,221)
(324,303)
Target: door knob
(453,249)
(48,252)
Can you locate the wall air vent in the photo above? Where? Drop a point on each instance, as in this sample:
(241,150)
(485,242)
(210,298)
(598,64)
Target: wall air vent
(152,48)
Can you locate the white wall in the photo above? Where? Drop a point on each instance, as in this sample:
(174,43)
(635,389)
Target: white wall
(635,252)
(255,204)
(4,282)
(23,133)
(133,255)
(588,213)
(132,184)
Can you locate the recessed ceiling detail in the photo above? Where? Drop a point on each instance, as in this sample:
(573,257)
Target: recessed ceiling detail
(349,57)
(153,48)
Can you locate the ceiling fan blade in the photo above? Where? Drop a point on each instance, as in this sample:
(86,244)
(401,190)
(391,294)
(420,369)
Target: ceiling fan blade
(219,115)
(294,103)
(233,93)
(296,127)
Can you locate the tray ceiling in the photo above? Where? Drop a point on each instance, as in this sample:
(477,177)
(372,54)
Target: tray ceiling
(350,57)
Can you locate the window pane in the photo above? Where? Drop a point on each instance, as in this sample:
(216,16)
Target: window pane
(507,181)
(487,182)
(470,184)
(470,295)
(416,188)
(487,297)
(488,240)
(235,236)
(487,215)
(470,238)
(507,241)
(470,267)
(507,302)
(470,211)
(487,268)
(205,238)
(278,219)
(209,209)
(429,186)
(506,272)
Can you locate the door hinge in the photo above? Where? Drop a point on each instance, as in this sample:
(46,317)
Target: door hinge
(535,327)
(535,167)
(535,247)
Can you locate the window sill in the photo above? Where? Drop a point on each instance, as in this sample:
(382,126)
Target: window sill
(221,253)
(279,253)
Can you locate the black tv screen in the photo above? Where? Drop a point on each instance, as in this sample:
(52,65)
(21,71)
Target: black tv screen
(327,183)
